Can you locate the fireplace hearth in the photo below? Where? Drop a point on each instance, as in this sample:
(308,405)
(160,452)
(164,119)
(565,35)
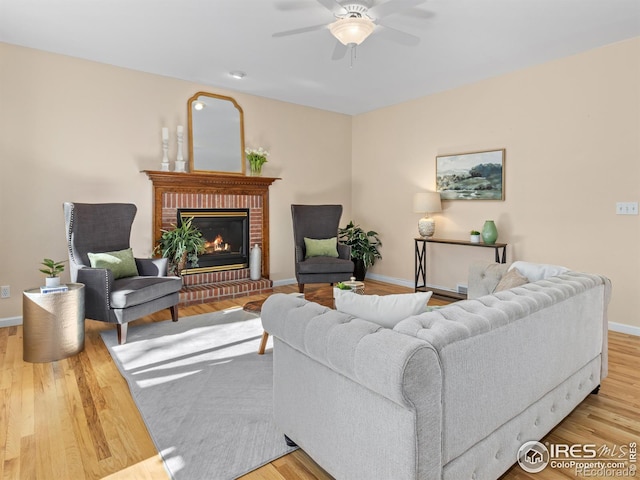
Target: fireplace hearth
(226,235)
(192,191)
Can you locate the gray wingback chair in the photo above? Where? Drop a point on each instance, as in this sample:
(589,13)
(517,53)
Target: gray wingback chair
(106,227)
(319,222)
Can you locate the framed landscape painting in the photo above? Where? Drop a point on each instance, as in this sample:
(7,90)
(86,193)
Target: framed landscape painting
(471,176)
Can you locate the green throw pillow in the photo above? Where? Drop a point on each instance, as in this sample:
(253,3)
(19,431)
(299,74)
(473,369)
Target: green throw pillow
(326,247)
(121,263)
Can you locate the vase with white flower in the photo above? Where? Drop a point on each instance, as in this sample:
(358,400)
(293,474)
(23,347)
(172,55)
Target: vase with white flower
(256,157)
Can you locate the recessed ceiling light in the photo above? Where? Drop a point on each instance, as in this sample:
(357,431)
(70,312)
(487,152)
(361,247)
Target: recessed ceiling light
(238,74)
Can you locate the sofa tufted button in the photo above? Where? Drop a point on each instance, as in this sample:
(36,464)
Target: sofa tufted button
(591,377)
(580,386)
(553,408)
(519,437)
(537,422)
(498,454)
(474,476)
(568,396)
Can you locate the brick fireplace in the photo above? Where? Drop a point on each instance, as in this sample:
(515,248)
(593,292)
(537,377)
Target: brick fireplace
(174,191)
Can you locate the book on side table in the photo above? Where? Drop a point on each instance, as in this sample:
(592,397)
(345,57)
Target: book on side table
(58,289)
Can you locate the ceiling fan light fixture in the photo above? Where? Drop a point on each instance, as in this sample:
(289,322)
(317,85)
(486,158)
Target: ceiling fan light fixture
(352,29)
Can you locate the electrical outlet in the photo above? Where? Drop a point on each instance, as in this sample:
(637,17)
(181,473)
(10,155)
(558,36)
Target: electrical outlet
(5,291)
(627,208)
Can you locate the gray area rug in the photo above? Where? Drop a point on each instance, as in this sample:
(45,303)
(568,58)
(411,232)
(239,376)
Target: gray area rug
(204,393)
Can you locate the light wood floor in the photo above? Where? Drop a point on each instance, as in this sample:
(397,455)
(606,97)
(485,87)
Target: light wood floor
(75,419)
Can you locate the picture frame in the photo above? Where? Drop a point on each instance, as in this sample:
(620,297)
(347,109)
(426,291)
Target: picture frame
(471,176)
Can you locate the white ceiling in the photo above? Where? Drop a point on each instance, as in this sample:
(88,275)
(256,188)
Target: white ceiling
(461,41)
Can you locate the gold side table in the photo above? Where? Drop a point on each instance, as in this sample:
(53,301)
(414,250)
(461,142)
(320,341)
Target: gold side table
(52,324)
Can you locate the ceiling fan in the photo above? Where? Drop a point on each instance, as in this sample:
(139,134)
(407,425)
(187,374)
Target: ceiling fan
(356,20)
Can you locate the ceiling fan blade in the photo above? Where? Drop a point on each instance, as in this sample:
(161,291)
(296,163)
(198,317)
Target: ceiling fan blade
(296,31)
(398,36)
(291,5)
(339,51)
(391,7)
(332,6)
(417,13)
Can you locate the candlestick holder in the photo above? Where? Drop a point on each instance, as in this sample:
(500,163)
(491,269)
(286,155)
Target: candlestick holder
(165,155)
(179,166)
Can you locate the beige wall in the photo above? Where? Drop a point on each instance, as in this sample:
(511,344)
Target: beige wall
(571,129)
(74,130)
(81,131)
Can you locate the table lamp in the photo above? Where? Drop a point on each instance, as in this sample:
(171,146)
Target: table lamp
(426,202)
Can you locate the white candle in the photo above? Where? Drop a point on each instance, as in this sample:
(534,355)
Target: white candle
(165,133)
(179,129)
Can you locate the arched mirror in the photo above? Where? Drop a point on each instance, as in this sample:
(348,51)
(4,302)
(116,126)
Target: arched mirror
(216,134)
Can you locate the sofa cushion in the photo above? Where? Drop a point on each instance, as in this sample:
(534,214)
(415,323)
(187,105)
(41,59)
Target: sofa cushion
(385,310)
(321,247)
(325,265)
(131,291)
(538,271)
(513,278)
(121,263)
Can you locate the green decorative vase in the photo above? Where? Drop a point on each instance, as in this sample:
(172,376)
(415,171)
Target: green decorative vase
(489,232)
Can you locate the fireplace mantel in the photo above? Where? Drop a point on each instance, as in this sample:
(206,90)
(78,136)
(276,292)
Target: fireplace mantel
(173,190)
(211,181)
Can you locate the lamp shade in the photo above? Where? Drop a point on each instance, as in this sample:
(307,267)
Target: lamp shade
(351,29)
(427,202)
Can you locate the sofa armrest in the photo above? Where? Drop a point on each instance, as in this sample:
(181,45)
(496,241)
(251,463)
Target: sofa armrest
(378,358)
(344,251)
(484,277)
(152,267)
(98,285)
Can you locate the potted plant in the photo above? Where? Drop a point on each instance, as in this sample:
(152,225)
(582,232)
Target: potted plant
(474,236)
(364,247)
(52,270)
(340,288)
(257,158)
(181,245)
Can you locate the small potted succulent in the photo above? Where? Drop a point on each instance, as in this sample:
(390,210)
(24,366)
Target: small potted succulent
(340,288)
(52,270)
(474,236)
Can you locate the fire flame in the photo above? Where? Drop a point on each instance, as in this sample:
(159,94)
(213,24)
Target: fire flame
(217,245)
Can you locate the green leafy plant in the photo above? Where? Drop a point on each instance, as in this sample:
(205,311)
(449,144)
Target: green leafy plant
(474,232)
(364,245)
(53,269)
(342,286)
(181,245)
(257,157)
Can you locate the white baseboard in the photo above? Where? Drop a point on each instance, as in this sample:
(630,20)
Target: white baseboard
(286,281)
(392,280)
(622,328)
(10,321)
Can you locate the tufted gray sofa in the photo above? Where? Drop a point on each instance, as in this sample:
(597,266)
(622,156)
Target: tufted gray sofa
(448,394)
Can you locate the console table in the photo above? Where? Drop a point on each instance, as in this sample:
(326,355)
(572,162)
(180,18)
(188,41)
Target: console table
(421,262)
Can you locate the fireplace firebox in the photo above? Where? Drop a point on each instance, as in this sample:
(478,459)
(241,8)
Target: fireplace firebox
(226,235)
